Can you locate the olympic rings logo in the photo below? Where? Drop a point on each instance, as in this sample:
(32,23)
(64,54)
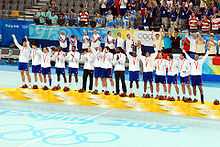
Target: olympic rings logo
(54,136)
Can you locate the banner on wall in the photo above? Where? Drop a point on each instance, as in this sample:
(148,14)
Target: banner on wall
(17,27)
(52,32)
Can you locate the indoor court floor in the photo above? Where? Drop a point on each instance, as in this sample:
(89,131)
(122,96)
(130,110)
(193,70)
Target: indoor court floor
(97,121)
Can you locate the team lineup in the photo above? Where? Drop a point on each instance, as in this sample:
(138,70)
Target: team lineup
(101,63)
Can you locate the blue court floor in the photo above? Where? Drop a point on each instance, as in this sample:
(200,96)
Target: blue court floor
(25,124)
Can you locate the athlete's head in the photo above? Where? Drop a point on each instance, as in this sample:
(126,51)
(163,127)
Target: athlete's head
(95,32)
(59,49)
(73,48)
(100,49)
(170,57)
(160,55)
(34,45)
(118,50)
(211,36)
(45,50)
(196,57)
(109,33)
(157,36)
(182,56)
(106,49)
(119,34)
(147,54)
(85,33)
(24,42)
(128,36)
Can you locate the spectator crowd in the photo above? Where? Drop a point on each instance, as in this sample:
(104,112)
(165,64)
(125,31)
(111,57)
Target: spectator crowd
(138,14)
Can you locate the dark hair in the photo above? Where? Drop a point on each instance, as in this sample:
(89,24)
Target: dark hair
(107,48)
(171,56)
(34,43)
(183,54)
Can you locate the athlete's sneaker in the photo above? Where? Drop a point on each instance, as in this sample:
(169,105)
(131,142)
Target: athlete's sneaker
(184,99)
(58,87)
(171,99)
(122,95)
(133,95)
(152,96)
(24,86)
(95,92)
(144,96)
(65,89)
(106,93)
(130,95)
(216,102)
(45,88)
(35,87)
(195,100)
(116,93)
(55,88)
(178,98)
(81,90)
(189,100)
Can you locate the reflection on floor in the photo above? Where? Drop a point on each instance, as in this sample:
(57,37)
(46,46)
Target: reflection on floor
(181,108)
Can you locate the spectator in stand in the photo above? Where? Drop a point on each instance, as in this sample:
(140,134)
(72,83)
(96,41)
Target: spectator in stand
(47,18)
(185,42)
(99,20)
(146,20)
(200,44)
(193,22)
(176,43)
(123,7)
(131,15)
(53,18)
(167,42)
(183,16)
(61,19)
(164,15)
(212,10)
(53,6)
(73,18)
(215,24)
(173,18)
(83,17)
(205,24)
(40,16)
(116,9)
(103,6)
(125,21)
(138,22)
(156,19)
(109,19)
(212,45)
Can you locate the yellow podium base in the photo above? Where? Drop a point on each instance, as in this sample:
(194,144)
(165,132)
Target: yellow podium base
(180,108)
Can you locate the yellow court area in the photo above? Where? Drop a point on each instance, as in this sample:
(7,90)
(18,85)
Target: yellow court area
(180,108)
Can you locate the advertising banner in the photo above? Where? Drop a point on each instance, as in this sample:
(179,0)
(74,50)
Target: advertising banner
(9,27)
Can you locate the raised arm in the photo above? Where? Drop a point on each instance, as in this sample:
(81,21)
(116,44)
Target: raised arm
(27,41)
(205,57)
(187,56)
(154,55)
(16,42)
